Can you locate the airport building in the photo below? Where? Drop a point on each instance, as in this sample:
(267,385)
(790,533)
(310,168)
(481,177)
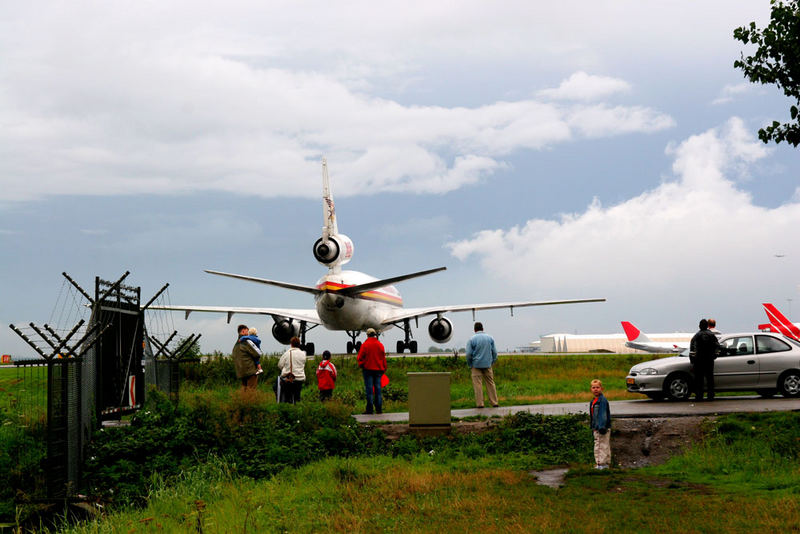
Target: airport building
(601,342)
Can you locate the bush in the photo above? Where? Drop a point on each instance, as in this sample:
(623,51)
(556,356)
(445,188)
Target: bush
(257,438)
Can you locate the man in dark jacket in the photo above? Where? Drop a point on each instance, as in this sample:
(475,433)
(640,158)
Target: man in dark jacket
(702,352)
(372,361)
(244,357)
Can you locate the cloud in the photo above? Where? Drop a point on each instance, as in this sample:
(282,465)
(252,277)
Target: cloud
(269,138)
(730,92)
(96,102)
(692,241)
(583,86)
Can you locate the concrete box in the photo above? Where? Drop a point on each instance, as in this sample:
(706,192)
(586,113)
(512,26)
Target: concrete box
(429,399)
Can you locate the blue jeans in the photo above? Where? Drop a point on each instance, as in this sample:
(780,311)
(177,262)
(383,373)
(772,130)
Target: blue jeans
(372,379)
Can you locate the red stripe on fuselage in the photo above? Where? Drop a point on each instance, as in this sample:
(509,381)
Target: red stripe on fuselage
(378,296)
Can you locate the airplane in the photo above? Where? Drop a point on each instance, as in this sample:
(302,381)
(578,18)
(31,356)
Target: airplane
(640,341)
(779,323)
(352,301)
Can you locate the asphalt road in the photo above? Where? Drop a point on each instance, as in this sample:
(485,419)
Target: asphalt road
(628,408)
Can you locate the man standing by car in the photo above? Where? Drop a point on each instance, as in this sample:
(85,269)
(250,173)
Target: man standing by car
(712,327)
(702,353)
(481,355)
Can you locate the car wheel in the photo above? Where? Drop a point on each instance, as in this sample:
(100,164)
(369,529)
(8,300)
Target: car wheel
(678,387)
(789,384)
(767,393)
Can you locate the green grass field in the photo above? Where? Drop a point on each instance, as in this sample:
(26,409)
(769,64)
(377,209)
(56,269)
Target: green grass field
(223,461)
(521,379)
(739,480)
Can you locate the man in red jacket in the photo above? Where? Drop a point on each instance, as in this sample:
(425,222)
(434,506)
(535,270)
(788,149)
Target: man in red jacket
(372,361)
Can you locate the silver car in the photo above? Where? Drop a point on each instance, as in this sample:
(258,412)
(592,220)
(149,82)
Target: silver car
(763,362)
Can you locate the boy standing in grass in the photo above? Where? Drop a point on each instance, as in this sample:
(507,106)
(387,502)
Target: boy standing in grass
(326,376)
(600,414)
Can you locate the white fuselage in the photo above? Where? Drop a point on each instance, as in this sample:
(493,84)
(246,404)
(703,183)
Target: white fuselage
(366,310)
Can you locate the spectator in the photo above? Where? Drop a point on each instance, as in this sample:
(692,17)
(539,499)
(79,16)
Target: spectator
(372,361)
(600,414)
(292,366)
(326,376)
(245,356)
(481,356)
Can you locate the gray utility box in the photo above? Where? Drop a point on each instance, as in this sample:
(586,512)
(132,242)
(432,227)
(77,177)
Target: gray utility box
(428,399)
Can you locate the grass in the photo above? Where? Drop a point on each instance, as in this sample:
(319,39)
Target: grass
(520,379)
(742,478)
(455,493)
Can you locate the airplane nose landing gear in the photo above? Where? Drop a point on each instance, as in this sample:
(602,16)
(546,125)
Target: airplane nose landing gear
(353,345)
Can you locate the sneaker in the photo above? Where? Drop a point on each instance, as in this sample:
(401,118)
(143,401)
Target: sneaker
(479,407)
(495,405)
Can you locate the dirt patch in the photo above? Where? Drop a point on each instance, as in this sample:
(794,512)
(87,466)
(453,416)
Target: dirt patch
(635,442)
(650,441)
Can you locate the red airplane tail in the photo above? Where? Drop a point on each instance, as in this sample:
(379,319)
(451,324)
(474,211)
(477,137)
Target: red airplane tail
(631,331)
(779,322)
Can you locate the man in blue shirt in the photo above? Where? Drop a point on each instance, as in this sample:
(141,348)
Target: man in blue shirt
(481,355)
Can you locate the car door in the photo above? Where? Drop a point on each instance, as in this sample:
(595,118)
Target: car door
(773,358)
(736,367)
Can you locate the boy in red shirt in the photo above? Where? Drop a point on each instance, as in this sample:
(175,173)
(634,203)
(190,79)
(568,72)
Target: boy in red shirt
(326,376)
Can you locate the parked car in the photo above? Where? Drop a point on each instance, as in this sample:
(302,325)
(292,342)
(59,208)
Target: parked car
(764,362)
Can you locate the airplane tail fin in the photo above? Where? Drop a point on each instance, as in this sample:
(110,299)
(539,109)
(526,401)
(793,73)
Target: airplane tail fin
(779,322)
(332,249)
(633,333)
(328,209)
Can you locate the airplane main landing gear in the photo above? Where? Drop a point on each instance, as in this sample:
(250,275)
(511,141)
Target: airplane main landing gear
(409,344)
(307,347)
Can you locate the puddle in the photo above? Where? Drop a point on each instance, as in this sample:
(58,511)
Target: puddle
(553,478)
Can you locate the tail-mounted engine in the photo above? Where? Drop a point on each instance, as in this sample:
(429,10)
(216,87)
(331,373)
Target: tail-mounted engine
(284,330)
(440,330)
(336,250)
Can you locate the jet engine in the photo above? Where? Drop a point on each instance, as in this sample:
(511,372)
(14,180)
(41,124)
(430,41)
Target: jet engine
(338,249)
(440,330)
(284,330)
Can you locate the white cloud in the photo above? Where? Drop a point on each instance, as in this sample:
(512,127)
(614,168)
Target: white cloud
(730,92)
(221,125)
(582,86)
(113,100)
(692,245)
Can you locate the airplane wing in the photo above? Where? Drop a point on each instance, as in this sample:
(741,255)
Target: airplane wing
(412,313)
(309,316)
(286,285)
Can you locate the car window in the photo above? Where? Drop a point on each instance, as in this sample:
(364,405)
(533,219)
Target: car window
(771,344)
(737,346)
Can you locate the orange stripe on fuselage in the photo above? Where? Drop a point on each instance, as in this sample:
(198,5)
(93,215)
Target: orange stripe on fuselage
(367,295)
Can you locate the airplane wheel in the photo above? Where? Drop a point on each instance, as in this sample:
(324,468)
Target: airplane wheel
(358,346)
(349,347)
(401,347)
(309,349)
(412,347)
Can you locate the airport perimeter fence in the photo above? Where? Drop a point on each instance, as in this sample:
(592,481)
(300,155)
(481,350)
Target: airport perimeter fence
(42,395)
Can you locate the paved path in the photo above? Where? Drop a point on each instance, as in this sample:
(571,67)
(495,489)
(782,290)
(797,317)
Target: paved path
(628,408)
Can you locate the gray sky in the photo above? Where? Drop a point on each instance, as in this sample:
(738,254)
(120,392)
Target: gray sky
(574,150)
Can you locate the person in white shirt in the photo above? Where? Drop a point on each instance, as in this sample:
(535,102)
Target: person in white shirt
(292,365)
